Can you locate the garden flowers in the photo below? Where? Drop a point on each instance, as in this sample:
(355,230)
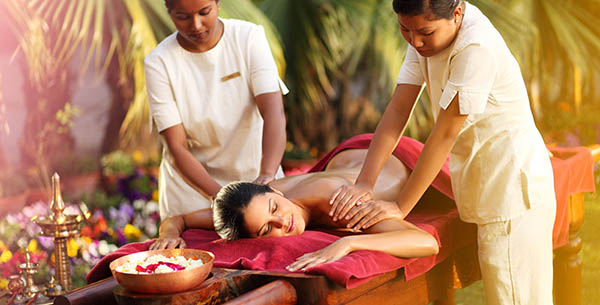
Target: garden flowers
(124,211)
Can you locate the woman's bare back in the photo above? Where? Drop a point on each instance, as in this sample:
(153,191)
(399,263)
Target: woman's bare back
(313,190)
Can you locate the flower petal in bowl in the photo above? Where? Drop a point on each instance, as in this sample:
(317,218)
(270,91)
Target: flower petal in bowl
(164,283)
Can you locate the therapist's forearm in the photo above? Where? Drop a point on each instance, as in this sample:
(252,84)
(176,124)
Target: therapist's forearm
(270,106)
(433,156)
(193,171)
(382,145)
(273,145)
(388,132)
(428,166)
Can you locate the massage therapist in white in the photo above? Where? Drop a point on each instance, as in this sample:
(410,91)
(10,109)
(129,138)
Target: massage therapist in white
(216,98)
(500,170)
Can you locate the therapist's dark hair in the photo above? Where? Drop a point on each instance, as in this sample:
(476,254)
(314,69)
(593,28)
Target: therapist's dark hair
(439,8)
(229,207)
(170,4)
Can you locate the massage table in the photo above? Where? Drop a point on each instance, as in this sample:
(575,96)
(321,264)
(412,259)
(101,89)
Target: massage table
(456,270)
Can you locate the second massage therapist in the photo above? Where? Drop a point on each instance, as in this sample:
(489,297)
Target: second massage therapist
(216,98)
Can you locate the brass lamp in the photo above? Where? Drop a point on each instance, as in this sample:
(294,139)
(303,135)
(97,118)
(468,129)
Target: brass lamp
(61,227)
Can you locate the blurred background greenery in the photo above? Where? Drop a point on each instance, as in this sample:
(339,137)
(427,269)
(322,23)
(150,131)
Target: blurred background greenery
(339,58)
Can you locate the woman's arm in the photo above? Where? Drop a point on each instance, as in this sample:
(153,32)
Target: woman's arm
(169,233)
(382,145)
(270,106)
(190,168)
(396,237)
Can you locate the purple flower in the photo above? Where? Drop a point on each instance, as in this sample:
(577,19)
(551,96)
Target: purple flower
(46,243)
(121,239)
(126,210)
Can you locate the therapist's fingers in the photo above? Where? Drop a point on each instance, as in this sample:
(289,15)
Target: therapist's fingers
(357,213)
(264,179)
(345,202)
(379,211)
(370,218)
(337,200)
(351,203)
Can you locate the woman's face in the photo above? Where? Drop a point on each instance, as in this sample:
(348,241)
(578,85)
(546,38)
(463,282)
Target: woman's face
(197,23)
(272,215)
(428,35)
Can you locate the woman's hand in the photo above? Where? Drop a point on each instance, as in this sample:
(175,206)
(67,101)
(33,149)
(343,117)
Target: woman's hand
(367,214)
(264,179)
(168,243)
(333,252)
(347,197)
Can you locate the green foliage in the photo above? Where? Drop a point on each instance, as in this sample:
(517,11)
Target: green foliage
(117,163)
(102,200)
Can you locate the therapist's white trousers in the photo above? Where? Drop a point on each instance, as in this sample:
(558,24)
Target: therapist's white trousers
(515,257)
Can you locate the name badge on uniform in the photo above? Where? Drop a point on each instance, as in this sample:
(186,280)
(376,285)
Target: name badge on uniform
(230,76)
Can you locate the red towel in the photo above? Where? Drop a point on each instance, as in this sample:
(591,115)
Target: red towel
(573,169)
(274,254)
(441,220)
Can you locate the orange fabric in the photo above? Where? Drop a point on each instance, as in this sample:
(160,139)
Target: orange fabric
(573,173)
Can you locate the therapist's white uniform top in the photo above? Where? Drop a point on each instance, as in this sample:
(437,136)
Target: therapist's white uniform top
(499,165)
(212,95)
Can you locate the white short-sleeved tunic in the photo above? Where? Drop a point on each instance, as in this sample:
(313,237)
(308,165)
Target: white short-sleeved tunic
(212,95)
(499,165)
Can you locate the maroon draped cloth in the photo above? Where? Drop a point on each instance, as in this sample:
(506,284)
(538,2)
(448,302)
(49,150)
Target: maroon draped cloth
(274,254)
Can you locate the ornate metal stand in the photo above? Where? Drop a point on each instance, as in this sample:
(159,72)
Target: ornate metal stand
(61,227)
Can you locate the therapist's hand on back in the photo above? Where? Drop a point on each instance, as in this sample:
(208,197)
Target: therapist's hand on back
(369,213)
(347,197)
(264,179)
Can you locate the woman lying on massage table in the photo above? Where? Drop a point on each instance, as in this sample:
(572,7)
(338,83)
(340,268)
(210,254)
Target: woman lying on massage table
(289,205)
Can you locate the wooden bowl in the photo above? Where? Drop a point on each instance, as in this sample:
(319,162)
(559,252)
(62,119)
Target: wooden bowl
(164,283)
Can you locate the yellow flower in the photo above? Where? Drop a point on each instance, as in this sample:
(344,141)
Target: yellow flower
(155,196)
(289,146)
(33,246)
(138,157)
(5,256)
(2,246)
(85,241)
(131,232)
(3,284)
(72,247)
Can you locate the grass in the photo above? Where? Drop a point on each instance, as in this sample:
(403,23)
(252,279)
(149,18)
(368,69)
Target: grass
(590,255)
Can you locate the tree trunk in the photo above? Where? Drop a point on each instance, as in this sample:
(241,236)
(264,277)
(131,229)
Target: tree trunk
(122,94)
(41,143)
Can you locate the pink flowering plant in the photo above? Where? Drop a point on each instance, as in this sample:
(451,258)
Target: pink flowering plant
(122,212)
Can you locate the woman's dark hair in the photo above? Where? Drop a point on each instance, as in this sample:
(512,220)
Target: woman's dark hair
(229,205)
(439,8)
